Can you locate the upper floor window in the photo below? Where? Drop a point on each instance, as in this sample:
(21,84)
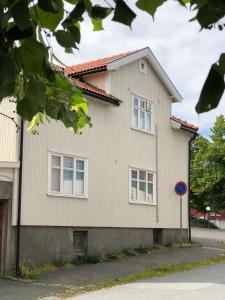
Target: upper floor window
(142,186)
(143,66)
(141,114)
(67,175)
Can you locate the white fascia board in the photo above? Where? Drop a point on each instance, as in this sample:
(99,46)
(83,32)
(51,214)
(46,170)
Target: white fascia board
(147,53)
(175,125)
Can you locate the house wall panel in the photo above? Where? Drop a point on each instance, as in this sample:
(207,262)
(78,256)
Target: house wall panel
(111,146)
(8,134)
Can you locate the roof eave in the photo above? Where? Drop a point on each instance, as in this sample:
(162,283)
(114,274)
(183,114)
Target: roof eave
(102,98)
(188,129)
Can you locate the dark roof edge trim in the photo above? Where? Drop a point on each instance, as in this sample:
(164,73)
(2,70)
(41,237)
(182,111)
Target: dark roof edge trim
(88,72)
(191,130)
(105,99)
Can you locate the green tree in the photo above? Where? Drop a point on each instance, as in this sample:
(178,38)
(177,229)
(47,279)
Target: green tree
(26,29)
(208,169)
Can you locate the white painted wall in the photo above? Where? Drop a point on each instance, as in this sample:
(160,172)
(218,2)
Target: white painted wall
(8,135)
(111,146)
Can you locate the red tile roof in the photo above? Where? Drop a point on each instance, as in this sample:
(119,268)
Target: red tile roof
(94,64)
(96,91)
(184,123)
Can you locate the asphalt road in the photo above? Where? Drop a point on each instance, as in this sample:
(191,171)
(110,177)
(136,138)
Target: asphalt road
(201,284)
(217,234)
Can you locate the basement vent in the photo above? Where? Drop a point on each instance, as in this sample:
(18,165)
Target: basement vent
(80,241)
(157,236)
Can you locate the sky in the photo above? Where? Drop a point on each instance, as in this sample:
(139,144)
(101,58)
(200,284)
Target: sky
(185,52)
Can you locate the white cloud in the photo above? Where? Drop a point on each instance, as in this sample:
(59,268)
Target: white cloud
(185,53)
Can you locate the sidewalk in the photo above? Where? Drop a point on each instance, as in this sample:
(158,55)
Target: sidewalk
(64,278)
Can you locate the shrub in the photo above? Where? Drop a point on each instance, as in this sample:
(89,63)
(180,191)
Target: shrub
(142,250)
(203,223)
(129,252)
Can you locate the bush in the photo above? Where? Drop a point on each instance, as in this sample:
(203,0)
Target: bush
(87,259)
(129,252)
(203,223)
(142,250)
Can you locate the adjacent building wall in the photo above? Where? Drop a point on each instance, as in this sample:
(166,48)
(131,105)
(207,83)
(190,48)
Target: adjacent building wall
(8,134)
(111,147)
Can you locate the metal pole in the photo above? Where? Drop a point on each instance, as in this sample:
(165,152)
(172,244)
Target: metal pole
(180,221)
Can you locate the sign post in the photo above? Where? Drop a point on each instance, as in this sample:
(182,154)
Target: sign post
(180,190)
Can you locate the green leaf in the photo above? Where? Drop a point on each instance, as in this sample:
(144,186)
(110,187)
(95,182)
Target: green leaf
(76,14)
(34,100)
(20,13)
(123,14)
(212,90)
(65,38)
(14,33)
(97,24)
(8,72)
(150,6)
(32,54)
(49,5)
(47,19)
(37,119)
(222,62)
(99,12)
(63,82)
(75,31)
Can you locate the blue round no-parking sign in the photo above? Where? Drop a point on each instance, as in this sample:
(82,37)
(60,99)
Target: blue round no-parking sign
(180,188)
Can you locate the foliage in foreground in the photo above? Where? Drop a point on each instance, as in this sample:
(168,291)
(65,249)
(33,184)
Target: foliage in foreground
(26,31)
(208,169)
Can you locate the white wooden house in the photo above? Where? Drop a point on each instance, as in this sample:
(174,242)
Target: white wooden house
(111,187)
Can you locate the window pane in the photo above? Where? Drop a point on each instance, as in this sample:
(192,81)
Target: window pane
(142,120)
(80,164)
(56,160)
(149,106)
(135,118)
(68,162)
(142,175)
(135,102)
(150,192)
(142,104)
(79,183)
(134,190)
(142,191)
(148,122)
(150,177)
(68,182)
(55,180)
(134,174)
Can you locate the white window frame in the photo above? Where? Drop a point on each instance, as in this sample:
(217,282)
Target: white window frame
(148,110)
(62,168)
(138,180)
(144,70)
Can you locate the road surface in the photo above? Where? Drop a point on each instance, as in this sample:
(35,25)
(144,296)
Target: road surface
(202,284)
(217,234)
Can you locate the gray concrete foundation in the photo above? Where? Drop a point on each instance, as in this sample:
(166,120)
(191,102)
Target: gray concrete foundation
(41,244)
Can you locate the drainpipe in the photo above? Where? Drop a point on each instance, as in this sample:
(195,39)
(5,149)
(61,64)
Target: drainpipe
(189,177)
(18,225)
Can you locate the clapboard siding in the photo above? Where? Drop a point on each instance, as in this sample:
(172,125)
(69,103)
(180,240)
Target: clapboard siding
(111,146)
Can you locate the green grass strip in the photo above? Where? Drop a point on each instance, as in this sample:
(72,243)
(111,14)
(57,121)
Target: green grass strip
(147,274)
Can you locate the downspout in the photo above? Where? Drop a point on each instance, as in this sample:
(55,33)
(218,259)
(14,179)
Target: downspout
(189,177)
(18,225)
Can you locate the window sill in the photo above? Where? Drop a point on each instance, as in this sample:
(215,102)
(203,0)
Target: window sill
(85,197)
(142,203)
(144,131)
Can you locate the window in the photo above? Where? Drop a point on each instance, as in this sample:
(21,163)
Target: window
(142,186)
(67,175)
(143,66)
(141,114)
